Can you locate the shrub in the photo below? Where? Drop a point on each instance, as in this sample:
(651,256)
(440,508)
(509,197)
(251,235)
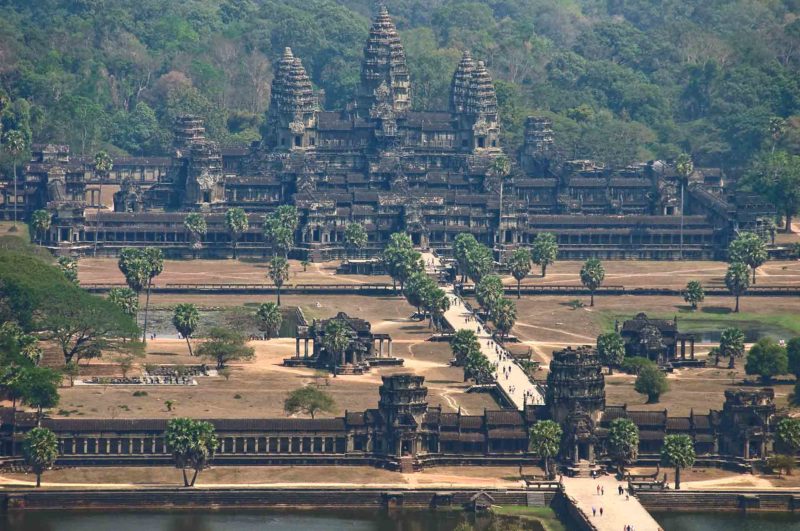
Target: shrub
(635,364)
(140,393)
(237,396)
(781,463)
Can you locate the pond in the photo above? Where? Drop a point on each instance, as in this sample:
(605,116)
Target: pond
(710,332)
(239,520)
(676,521)
(159,321)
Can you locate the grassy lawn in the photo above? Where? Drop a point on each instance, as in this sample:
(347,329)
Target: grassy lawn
(713,318)
(544,515)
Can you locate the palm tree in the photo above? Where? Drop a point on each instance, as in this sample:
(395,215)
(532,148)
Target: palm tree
(336,340)
(278,273)
(355,237)
(40,222)
(15,145)
(103,164)
(237,224)
(684,168)
(196,225)
(269,314)
(185,320)
(592,275)
(504,316)
(737,280)
(520,266)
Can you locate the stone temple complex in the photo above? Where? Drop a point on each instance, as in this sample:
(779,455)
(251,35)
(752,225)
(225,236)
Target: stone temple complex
(384,164)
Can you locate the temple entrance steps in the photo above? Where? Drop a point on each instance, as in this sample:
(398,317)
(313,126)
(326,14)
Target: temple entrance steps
(407,464)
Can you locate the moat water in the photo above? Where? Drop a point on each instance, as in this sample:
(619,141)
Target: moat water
(324,520)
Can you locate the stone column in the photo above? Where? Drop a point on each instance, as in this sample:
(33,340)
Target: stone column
(390,348)
(747,448)
(306,348)
(691,347)
(380,348)
(297,347)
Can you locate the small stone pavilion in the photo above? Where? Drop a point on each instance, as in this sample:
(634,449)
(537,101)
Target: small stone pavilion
(658,340)
(360,355)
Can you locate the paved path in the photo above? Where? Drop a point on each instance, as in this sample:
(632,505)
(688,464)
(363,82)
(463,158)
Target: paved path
(617,510)
(516,386)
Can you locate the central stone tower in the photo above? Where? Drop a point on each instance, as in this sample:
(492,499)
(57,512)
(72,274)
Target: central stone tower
(384,73)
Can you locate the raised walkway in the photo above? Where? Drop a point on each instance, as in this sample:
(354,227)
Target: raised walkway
(618,511)
(511,380)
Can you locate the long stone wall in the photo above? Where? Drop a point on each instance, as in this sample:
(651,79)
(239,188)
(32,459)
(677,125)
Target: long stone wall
(721,500)
(167,498)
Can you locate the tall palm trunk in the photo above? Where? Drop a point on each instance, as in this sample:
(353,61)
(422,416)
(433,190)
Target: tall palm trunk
(189,344)
(677,478)
(38,479)
(146,310)
(14,165)
(736,310)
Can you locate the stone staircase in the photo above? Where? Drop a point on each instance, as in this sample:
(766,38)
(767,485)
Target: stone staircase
(407,464)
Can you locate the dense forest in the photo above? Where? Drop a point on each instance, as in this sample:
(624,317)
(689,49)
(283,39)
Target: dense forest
(622,79)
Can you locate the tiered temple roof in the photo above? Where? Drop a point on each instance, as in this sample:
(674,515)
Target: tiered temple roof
(459,87)
(385,64)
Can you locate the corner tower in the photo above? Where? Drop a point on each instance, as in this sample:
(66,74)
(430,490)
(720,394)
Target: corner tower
(384,64)
(481,106)
(291,118)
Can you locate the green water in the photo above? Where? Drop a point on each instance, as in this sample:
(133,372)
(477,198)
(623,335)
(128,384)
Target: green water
(676,521)
(250,520)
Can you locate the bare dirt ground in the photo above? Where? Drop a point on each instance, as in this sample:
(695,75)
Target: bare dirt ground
(350,476)
(258,387)
(548,323)
(644,274)
(105,270)
(697,478)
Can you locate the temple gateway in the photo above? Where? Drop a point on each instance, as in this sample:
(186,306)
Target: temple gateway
(384,164)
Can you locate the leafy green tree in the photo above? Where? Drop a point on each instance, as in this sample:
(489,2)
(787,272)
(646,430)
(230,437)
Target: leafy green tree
(737,280)
(793,356)
(40,450)
(544,250)
(694,293)
(126,300)
(84,325)
(766,359)
(477,367)
(197,228)
(38,387)
(309,400)
(479,262)
(336,340)
(236,224)
(520,266)
(678,451)
(488,291)
(224,345)
(504,316)
(103,163)
(270,318)
(731,344)
(355,237)
(623,442)
(69,266)
(782,463)
(545,441)
(185,319)
(651,382)
(611,349)
(305,264)
(787,435)
(776,175)
(592,275)
(192,444)
(40,223)
(14,144)
(748,248)
(278,273)
(463,344)
(462,244)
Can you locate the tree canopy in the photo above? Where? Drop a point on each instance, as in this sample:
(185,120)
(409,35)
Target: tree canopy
(621,80)
(308,400)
